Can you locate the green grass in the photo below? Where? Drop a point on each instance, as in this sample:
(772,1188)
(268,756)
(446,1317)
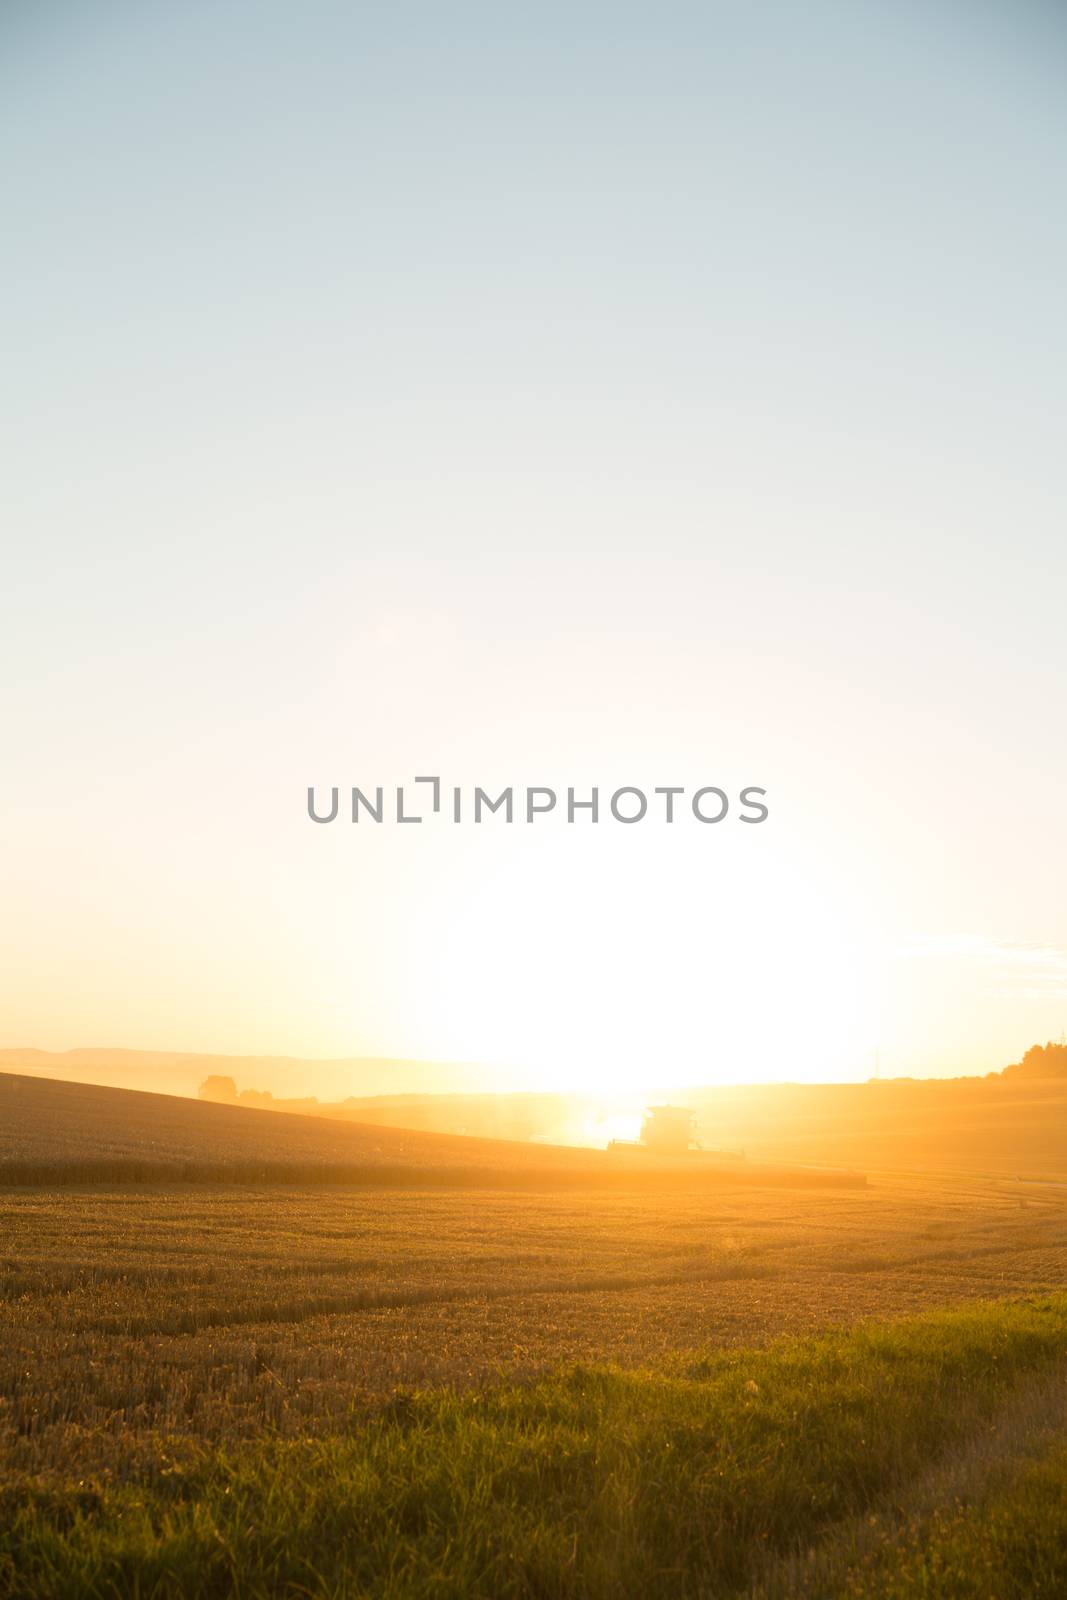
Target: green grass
(592,1482)
(1011,1545)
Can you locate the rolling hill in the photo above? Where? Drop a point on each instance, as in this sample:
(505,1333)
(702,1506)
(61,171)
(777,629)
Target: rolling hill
(182,1071)
(55,1132)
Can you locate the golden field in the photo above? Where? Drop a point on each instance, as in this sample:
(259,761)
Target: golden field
(213,1308)
(418,1381)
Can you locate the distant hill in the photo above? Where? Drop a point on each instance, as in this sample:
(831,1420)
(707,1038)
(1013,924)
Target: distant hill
(44,1119)
(1003,1124)
(1009,1123)
(182,1071)
(53,1132)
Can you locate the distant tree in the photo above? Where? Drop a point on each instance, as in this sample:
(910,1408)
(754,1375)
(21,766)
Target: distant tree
(220,1089)
(257,1097)
(1041,1061)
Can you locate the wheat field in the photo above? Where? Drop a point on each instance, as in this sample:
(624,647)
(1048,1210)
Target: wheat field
(131,1313)
(267,1388)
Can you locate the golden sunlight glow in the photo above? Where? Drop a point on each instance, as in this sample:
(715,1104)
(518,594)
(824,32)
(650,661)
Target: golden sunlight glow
(663,986)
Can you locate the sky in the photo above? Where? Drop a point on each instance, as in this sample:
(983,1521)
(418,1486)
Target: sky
(556,395)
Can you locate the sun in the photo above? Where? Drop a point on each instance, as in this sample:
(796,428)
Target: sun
(610,966)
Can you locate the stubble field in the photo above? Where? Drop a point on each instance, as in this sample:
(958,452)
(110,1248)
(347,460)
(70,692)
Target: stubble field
(155,1341)
(217,1389)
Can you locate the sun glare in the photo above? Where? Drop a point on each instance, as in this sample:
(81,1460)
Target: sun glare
(659,984)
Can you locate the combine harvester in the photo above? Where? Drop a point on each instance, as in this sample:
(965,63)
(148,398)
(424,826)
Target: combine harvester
(671,1131)
(668,1143)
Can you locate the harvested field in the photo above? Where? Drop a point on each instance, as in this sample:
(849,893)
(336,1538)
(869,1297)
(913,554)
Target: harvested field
(134,1313)
(306,1389)
(917,1457)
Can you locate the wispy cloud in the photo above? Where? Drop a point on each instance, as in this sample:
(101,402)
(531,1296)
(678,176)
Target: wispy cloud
(1026,971)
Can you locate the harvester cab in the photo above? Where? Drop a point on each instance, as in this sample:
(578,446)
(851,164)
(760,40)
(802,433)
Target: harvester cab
(669,1130)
